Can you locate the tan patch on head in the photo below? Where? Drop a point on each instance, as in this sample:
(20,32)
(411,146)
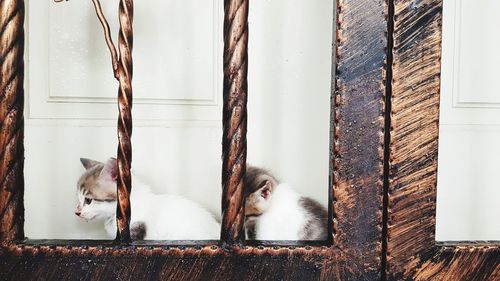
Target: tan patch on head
(250,206)
(92,184)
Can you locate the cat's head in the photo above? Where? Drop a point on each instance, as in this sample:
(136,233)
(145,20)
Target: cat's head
(96,190)
(259,187)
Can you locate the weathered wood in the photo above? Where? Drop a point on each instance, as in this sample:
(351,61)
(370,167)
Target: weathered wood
(358,114)
(124,154)
(234,119)
(461,262)
(174,263)
(11,120)
(412,253)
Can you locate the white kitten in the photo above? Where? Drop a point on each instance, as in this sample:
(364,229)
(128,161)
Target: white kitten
(274,211)
(154,217)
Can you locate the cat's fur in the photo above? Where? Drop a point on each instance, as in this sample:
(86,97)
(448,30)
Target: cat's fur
(154,217)
(274,211)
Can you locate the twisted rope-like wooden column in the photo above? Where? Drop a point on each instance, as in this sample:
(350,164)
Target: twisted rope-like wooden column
(124,157)
(11,120)
(234,119)
(123,69)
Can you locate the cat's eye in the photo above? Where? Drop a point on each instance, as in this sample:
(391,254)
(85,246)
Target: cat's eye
(88,201)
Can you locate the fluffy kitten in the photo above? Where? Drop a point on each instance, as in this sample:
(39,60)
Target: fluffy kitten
(274,211)
(154,217)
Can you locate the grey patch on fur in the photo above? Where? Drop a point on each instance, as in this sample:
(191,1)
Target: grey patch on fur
(255,180)
(316,227)
(88,184)
(89,163)
(250,227)
(255,177)
(138,230)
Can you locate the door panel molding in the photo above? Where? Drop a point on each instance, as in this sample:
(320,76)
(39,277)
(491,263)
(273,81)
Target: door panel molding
(44,101)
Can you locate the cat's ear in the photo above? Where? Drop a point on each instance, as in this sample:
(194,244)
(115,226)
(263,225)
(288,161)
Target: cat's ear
(266,189)
(89,163)
(110,169)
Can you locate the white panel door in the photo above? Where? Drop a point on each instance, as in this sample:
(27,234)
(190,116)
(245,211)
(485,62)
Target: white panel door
(469,144)
(71,106)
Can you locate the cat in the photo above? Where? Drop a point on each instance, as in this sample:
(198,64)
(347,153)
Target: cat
(154,217)
(274,211)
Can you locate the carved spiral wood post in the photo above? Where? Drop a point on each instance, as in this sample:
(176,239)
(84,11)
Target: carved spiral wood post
(124,157)
(234,119)
(123,69)
(11,120)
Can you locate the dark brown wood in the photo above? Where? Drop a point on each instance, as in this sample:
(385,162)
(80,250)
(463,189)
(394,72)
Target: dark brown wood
(124,154)
(11,120)
(412,252)
(234,119)
(358,142)
(111,262)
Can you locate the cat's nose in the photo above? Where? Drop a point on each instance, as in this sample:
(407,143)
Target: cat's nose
(78,213)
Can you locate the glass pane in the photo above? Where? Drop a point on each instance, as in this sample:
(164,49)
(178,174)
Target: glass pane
(72,112)
(290,64)
(177,109)
(468,188)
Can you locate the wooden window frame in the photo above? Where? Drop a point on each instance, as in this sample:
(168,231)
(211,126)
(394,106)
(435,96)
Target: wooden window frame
(412,252)
(382,190)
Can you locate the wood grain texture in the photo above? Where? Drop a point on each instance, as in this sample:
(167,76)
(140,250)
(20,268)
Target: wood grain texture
(11,120)
(358,112)
(412,253)
(460,262)
(161,263)
(234,119)
(124,153)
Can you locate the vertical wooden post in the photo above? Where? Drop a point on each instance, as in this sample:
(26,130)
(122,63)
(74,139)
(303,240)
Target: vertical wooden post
(123,70)
(358,144)
(124,157)
(234,119)
(11,120)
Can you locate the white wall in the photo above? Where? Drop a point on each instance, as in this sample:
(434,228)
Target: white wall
(71,110)
(469,153)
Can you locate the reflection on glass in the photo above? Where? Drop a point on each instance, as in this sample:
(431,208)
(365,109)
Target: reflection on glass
(71,133)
